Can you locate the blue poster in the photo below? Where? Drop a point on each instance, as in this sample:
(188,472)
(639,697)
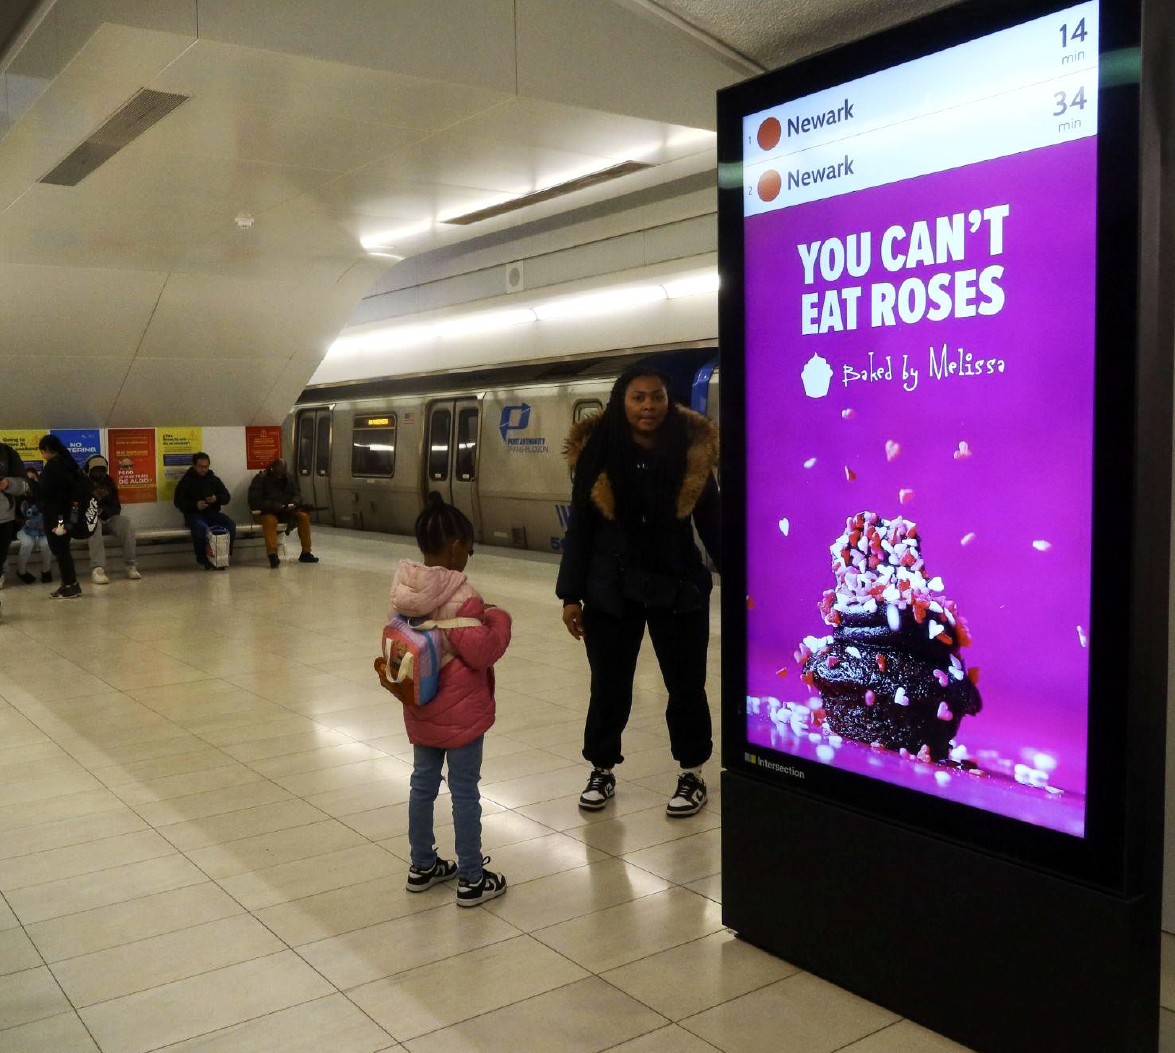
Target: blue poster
(81,443)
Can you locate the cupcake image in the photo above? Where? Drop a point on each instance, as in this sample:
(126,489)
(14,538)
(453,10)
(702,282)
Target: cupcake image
(817,376)
(890,673)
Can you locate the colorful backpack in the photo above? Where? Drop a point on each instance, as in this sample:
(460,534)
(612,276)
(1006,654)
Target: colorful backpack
(413,656)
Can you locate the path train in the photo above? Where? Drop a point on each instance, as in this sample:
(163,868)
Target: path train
(489,441)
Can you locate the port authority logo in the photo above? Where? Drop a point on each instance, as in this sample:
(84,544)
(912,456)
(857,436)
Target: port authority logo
(516,419)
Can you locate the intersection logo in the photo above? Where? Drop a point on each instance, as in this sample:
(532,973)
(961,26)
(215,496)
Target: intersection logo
(516,419)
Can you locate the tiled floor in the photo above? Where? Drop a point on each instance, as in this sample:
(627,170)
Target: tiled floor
(203,842)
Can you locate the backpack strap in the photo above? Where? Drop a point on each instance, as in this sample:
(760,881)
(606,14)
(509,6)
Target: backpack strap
(447,623)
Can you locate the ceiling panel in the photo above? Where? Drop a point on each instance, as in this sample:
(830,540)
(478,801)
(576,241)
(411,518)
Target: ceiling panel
(79,19)
(206,393)
(69,392)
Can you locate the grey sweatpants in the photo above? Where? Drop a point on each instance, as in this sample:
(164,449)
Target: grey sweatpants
(121,529)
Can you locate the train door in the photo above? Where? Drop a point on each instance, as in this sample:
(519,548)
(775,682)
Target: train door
(452,440)
(313,436)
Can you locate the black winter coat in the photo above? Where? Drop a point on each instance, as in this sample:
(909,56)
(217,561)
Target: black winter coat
(55,488)
(268,493)
(596,549)
(193,488)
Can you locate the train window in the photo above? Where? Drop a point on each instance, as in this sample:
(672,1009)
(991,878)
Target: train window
(373,447)
(305,443)
(467,445)
(322,451)
(439,427)
(585,408)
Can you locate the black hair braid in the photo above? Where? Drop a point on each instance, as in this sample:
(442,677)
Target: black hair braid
(441,524)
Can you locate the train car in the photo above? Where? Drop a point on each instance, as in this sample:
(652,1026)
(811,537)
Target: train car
(490,441)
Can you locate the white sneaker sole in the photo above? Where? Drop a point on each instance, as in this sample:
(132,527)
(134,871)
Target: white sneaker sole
(685,813)
(485,897)
(594,806)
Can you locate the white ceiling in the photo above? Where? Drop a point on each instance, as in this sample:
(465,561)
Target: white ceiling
(134,298)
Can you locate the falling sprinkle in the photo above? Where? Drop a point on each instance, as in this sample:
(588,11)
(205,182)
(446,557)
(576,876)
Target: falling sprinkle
(781,672)
(1044,761)
(973,675)
(899,697)
(905,496)
(848,414)
(850,475)
(944,712)
(810,462)
(750,604)
(892,449)
(785,527)
(1081,637)
(1042,546)
(967,539)
(943,778)
(825,753)
(962,453)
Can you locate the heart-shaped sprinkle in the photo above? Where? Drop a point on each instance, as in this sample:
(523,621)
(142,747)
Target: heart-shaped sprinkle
(899,697)
(785,527)
(1042,546)
(848,414)
(850,475)
(963,452)
(935,628)
(944,713)
(892,449)
(870,698)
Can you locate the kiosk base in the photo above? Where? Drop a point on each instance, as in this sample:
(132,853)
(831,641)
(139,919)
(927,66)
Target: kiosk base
(999,957)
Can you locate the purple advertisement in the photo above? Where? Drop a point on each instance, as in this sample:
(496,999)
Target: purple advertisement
(919,422)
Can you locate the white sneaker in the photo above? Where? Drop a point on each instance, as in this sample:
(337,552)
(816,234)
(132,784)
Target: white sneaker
(132,572)
(98,576)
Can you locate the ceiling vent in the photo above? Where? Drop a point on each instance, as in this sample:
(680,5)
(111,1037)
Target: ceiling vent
(570,187)
(140,112)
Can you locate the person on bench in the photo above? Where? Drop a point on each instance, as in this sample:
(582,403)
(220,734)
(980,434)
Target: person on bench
(110,521)
(199,495)
(274,498)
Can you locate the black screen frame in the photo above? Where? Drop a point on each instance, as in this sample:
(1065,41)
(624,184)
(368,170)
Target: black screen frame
(1116,784)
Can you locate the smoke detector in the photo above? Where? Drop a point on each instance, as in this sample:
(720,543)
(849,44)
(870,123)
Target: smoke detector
(244,220)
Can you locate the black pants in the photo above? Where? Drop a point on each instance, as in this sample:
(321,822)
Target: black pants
(59,546)
(613,645)
(7,535)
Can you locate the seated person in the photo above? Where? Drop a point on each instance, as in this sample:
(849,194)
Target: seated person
(110,521)
(198,495)
(274,498)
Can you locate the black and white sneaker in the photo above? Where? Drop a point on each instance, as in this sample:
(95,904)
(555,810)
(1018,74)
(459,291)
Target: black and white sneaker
(441,870)
(600,789)
(489,887)
(689,796)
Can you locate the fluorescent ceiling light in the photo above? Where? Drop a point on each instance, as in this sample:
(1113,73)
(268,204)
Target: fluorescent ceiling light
(699,283)
(486,321)
(598,303)
(388,238)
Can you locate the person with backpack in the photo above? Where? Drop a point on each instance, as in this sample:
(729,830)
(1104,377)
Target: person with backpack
(13,486)
(110,521)
(66,497)
(199,495)
(644,469)
(452,724)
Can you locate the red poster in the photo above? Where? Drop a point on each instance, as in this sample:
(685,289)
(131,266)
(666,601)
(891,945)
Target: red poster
(263,445)
(132,460)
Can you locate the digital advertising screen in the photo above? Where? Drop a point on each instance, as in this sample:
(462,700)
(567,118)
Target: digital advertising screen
(919,282)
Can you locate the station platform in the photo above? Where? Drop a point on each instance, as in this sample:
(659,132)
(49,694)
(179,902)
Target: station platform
(203,840)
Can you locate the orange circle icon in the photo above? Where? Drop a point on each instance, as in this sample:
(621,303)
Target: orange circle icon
(769,185)
(769,133)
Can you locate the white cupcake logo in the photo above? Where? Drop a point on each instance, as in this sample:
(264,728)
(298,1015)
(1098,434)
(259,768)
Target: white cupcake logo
(817,377)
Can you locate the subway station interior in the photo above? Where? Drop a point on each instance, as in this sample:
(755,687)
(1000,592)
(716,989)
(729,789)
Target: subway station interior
(410,248)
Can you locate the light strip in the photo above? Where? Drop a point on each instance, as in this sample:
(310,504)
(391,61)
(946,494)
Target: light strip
(596,303)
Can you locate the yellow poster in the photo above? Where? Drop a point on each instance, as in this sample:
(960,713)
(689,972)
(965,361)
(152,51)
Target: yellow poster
(175,447)
(24,441)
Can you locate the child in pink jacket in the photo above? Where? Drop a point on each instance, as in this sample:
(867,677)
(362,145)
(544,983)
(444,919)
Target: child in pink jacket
(454,723)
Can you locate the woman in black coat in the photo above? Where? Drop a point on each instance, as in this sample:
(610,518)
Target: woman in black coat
(644,474)
(56,490)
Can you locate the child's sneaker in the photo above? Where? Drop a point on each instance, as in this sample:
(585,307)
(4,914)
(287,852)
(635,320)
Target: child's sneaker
(441,870)
(599,791)
(489,887)
(689,796)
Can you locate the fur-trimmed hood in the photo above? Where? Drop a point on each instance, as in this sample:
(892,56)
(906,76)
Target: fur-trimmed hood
(700,460)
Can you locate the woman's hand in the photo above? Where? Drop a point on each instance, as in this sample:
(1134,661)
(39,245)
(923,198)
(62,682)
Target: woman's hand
(573,619)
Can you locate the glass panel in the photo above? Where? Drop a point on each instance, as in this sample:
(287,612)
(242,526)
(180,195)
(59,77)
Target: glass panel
(438,445)
(322,453)
(467,444)
(305,443)
(373,450)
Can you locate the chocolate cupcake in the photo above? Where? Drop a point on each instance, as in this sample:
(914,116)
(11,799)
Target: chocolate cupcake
(890,674)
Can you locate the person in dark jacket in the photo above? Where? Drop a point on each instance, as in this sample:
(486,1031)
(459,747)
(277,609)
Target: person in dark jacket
(274,498)
(644,474)
(13,486)
(110,521)
(199,495)
(56,490)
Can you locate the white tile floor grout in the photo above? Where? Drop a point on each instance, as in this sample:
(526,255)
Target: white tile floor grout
(211,856)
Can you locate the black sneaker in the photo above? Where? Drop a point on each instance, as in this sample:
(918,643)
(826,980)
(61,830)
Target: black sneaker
(689,796)
(489,887)
(441,870)
(600,789)
(274,562)
(46,577)
(67,592)
(308,557)
(27,578)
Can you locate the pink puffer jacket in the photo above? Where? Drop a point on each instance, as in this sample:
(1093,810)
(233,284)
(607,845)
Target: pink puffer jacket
(464,705)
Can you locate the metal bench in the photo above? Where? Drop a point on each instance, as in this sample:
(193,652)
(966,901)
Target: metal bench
(160,544)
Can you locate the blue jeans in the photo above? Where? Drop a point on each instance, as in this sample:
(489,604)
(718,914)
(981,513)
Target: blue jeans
(464,773)
(199,522)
